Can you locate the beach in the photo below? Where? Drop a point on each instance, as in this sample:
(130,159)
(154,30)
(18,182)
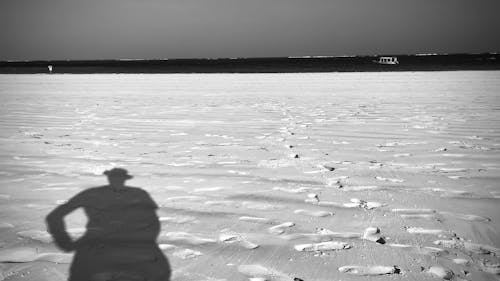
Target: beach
(297,176)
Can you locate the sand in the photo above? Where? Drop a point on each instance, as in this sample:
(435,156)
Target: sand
(331,176)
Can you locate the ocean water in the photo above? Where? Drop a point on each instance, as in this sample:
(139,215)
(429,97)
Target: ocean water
(228,145)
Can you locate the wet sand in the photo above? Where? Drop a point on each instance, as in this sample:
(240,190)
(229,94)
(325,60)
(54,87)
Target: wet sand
(331,176)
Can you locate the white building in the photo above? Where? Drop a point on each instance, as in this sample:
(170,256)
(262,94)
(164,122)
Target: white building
(387,60)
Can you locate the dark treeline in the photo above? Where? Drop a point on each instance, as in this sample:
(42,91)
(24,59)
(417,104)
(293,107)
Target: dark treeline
(260,65)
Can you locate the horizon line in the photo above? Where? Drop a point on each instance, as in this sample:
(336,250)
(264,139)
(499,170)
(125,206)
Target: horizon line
(249,58)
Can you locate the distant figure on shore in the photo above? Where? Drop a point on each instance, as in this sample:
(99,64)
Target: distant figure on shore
(50,67)
(120,240)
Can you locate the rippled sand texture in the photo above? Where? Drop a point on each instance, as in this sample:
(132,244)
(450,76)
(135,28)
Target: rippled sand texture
(330,176)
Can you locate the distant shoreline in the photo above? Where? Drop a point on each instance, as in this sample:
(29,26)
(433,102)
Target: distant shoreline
(448,62)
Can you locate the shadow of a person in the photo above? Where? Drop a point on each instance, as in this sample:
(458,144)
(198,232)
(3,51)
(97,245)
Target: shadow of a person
(120,239)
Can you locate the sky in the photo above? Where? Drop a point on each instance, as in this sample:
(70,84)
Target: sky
(159,29)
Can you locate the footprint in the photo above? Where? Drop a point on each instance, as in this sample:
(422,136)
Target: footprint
(402,155)
(6,225)
(178,219)
(374,166)
(452,170)
(372,205)
(4,196)
(453,155)
(255,219)
(37,235)
(233,237)
(459,194)
(228,237)
(389,179)
(259,272)
(413,211)
(467,217)
(420,230)
(261,206)
(187,254)
(314,172)
(441,272)
(292,190)
(373,234)
(208,189)
(331,234)
(184,237)
(493,268)
(432,251)
(249,245)
(279,229)
(18,254)
(461,261)
(369,270)
(456,177)
(351,205)
(355,202)
(166,247)
(418,216)
(481,248)
(326,167)
(226,203)
(335,180)
(331,204)
(312,198)
(310,236)
(185,198)
(361,188)
(453,243)
(322,236)
(56,257)
(468,246)
(313,213)
(324,246)
(397,245)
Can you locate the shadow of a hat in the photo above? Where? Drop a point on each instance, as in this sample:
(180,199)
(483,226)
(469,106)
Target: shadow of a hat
(118,173)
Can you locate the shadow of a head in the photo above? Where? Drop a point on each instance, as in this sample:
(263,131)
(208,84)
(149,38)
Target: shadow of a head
(117,177)
(120,238)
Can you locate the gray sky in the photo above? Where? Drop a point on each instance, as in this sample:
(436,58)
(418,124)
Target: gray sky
(149,29)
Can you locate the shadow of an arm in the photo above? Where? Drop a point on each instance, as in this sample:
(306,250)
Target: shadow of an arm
(57,228)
